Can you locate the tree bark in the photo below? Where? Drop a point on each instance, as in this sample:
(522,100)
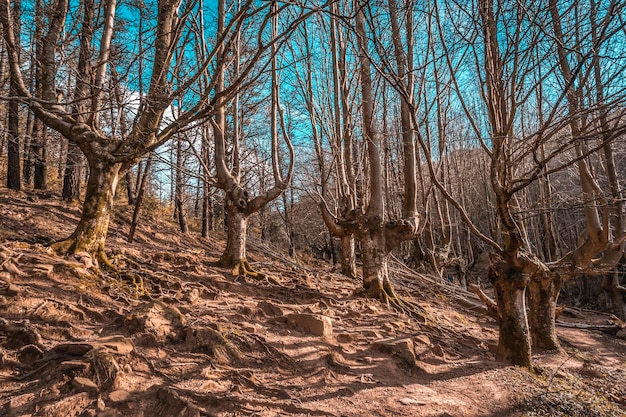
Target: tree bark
(543,294)
(513,341)
(91,232)
(236,232)
(71,176)
(348,257)
(14,171)
(141,192)
(375,259)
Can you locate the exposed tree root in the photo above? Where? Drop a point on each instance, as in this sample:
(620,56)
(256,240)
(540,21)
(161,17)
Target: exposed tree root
(243,268)
(386,294)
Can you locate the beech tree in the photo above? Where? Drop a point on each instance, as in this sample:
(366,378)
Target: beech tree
(509,48)
(238,203)
(14,171)
(369,222)
(109,156)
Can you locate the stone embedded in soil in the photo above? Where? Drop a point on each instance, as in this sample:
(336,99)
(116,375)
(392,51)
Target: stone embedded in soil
(11,290)
(270,309)
(173,404)
(119,344)
(439,352)
(422,339)
(403,349)
(410,401)
(119,396)
(345,338)
(85,258)
(84,385)
(314,324)
(165,322)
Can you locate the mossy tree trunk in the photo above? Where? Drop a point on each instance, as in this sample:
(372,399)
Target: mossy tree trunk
(92,229)
(374,256)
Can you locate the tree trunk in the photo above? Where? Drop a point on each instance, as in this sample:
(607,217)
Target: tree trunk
(207,211)
(375,273)
(91,232)
(615,294)
(71,176)
(39,155)
(543,296)
(130,191)
(14,171)
(514,336)
(236,233)
(141,192)
(348,257)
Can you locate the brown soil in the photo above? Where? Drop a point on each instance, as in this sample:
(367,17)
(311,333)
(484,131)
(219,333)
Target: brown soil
(172,334)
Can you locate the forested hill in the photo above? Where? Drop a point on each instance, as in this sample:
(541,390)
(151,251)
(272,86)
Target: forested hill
(164,331)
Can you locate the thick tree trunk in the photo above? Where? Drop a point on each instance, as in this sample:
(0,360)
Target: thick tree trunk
(348,257)
(375,273)
(514,337)
(543,296)
(236,233)
(91,232)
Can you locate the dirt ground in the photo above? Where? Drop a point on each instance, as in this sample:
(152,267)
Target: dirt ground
(171,334)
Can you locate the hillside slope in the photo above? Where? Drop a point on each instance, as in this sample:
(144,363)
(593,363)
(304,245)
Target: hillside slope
(172,334)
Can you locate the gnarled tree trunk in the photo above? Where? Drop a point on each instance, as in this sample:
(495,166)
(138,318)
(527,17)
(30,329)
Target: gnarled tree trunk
(236,232)
(91,232)
(510,289)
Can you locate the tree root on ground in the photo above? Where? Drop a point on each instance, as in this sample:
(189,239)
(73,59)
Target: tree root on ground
(243,268)
(387,295)
(105,269)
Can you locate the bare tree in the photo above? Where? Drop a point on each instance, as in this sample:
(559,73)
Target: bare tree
(14,171)
(238,204)
(110,156)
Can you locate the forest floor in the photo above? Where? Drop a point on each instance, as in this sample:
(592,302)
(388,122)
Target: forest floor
(172,334)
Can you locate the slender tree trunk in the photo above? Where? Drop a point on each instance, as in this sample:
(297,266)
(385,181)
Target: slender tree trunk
(615,294)
(14,171)
(71,176)
(348,257)
(38,149)
(179,184)
(130,191)
(141,192)
(207,211)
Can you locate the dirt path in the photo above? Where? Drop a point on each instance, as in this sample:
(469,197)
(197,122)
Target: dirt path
(182,337)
